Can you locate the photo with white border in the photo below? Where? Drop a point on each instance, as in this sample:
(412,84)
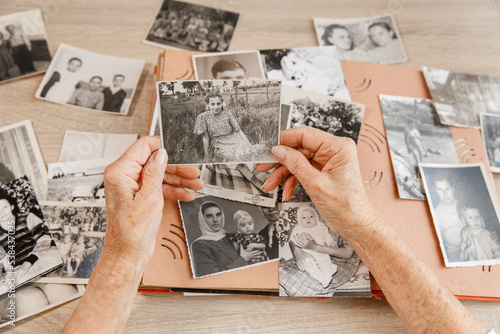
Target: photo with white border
(490,130)
(237,65)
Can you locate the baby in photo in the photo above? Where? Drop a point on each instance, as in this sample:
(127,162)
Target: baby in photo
(477,242)
(246,237)
(319,266)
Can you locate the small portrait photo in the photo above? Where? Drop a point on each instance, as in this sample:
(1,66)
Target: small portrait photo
(333,269)
(415,135)
(490,129)
(34,298)
(23,45)
(219,121)
(465,211)
(224,235)
(192,27)
(237,65)
(374,39)
(78,230)
(90,80)
(315,68)
(461,98)
(337,117)
(34,252)
(21,156)
(237,182)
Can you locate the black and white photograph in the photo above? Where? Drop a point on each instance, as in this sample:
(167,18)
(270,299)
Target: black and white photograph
(77,181)
(490,129)
(415,135)
(237,182)
(465,211)
(182,25)
(79,145)
(335,116)
(21,156)
(21,219)
(460,98)
(224,235)
(154,127)
(315,68)
(78,230)
(35,298)
(304,272)
(23,45)
(90,80)
(373,39)
(219,121)
(237,65)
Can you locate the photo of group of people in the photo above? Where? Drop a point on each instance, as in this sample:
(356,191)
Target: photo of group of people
(90,80)
(23,45)
(192,27)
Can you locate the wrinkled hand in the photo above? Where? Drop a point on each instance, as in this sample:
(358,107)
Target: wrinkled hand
(134,188)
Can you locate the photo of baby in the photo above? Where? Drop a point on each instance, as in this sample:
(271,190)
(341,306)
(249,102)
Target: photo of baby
(246,237)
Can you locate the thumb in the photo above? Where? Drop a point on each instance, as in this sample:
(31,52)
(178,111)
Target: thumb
(153,173)
(296,163)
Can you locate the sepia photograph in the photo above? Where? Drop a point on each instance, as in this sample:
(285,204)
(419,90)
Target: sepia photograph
(21,156)
(219,121)
(415,135)
(23,45)
(465,211)
(22,220)
(237,65)
(182,25)
(490,129)
(35,298)
(90,80)
(79,145)
(224,235)
(337,117)
(78,230)
(315,68)
(332,270)
(374,39)
(460,98)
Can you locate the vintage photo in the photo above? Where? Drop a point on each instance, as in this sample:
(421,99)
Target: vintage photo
(224,235)
(315,68)
(465,211)
(304,272)
(219,121)
(91,145)
(78,230)
(237,182)
(490,129)
(90,80)
(238,65)
(460,98)
(192,27)
(415,135)
(23,45)
(77,181)
(323,112)
(35,298)
(20,156)
(34,252)
(372,39)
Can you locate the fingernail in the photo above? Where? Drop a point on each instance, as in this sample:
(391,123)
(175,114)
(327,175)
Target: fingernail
(161,156)
(279,152)
(265,184)
(199,172)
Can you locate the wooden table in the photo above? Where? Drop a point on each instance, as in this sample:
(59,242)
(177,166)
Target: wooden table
(457,35)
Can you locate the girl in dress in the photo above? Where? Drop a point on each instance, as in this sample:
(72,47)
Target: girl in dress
(387,49)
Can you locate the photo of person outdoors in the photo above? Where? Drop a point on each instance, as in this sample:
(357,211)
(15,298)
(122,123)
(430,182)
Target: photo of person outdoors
(490,130)
(237,65)
(219,121)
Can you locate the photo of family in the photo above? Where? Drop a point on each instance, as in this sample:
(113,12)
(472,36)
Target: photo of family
(90,80)
(465,211)
(219,121)
(78,230)
(304,272)
(490,129)
(192,27)
(372,39)
(223,235)
(460,98)
(237,65)
(415,135)
(23,45)
(315,68)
